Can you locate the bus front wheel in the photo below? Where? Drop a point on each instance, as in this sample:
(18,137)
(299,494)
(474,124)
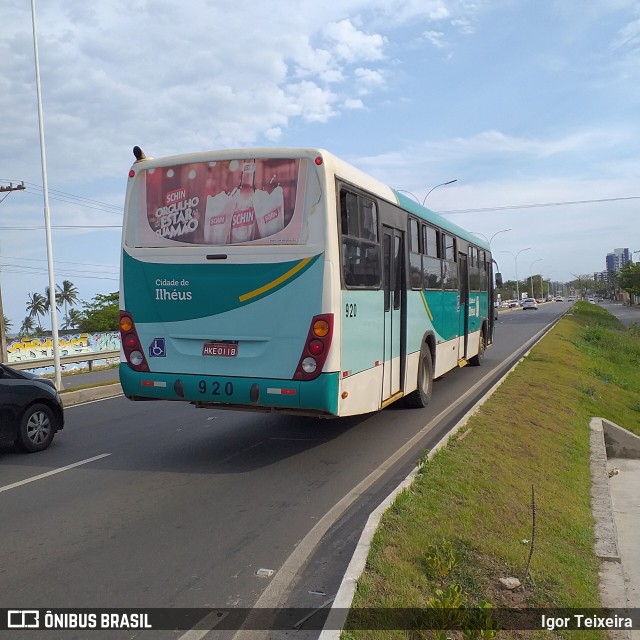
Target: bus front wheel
(422,395)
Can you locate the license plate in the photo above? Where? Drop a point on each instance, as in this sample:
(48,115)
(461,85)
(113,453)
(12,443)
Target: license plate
(222,349)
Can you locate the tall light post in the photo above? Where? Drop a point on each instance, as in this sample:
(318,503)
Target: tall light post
(531,275)
(490,240)
(544,268)
(442,184)
(47,218)
(413,195)
(515,258)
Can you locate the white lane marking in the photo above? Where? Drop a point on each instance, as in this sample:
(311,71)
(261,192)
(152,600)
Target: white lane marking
(53,472)
(207,624)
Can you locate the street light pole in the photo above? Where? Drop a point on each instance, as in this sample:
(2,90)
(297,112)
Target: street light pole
(47,217)
(515,258)
(415,197)
(442,184)
(490,240)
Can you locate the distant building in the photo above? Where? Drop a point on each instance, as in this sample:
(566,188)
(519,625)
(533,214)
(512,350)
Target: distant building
(618,259)
(601,276)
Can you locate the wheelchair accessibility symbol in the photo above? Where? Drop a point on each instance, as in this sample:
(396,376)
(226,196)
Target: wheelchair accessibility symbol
(157,348)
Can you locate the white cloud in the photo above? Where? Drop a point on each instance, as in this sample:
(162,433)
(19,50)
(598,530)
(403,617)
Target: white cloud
(352,104)
(312,102)
(436,38)
(628,37)
(353,45)
(368,80)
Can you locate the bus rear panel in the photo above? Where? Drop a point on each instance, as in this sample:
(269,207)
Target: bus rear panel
(223,295)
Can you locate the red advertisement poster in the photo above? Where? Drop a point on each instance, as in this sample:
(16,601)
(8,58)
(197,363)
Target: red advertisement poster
(225,202)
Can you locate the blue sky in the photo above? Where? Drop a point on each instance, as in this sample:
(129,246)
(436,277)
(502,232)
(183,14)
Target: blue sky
(522,102)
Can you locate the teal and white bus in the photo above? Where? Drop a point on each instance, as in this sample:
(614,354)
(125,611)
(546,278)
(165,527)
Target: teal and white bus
(288,280)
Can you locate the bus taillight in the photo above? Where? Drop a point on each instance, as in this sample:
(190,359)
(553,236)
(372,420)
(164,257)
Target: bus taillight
(131,343)
(316,348)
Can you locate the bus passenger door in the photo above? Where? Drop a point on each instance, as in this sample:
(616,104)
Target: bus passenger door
(463,290)
(393,279)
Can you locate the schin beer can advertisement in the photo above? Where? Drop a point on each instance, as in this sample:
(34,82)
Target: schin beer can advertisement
(227,202)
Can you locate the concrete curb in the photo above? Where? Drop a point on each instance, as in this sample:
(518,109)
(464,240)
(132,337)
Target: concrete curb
(619,442)
(606,545)
(71,398)
(607,439)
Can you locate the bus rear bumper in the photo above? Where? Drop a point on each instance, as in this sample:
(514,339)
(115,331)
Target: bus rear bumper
(313,397)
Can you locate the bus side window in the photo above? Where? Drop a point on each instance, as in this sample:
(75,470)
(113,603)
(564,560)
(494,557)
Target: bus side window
(415,258)
(474,269)
(484,279)
(360,247)
(450,268)
(431,263)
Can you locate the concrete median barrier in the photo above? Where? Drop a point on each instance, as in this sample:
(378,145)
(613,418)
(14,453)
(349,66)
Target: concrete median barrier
(69,398)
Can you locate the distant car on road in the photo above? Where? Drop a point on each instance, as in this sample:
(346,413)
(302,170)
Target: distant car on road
(30,409)
(529,303)
(559,299)
(571,299)
(513,303)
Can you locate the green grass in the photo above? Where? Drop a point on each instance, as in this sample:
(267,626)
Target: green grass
(476,493)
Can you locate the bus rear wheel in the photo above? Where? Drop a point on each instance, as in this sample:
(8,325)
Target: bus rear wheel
(420,398)
(476,361)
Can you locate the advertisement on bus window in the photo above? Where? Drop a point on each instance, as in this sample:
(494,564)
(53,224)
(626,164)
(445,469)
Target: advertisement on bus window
(229,202)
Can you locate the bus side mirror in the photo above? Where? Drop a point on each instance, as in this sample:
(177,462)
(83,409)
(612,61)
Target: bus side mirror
(498,280)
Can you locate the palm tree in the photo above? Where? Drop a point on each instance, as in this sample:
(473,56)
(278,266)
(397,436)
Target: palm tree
(72,319)
(27,326)
(67,295)
(7,323)
(47,304)
(36,307)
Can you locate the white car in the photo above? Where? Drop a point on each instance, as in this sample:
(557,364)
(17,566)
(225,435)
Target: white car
(529,303)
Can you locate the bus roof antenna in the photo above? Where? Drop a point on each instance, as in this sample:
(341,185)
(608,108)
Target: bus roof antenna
(138,153)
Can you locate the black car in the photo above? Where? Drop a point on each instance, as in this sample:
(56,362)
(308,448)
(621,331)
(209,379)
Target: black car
(30,409)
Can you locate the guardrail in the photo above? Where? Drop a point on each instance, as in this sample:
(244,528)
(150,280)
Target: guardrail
(90,358)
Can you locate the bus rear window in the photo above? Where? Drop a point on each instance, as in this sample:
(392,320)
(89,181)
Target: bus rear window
(226,202)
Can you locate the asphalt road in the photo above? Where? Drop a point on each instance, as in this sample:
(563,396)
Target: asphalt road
(625,314)
(171,506)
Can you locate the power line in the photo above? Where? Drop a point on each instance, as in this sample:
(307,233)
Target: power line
(82,264)
(71,198)
(70,274)
(533,206)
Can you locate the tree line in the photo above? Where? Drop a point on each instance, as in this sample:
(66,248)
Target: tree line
(627,279)
(99,314)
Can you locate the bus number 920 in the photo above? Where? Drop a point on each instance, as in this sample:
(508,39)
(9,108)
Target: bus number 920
(216,388)
(350,310)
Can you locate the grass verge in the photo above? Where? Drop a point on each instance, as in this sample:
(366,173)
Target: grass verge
(476,495)
(92,385)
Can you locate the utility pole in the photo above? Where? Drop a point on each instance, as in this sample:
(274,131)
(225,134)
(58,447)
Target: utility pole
(10,188)
(3,334)
(4,357)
